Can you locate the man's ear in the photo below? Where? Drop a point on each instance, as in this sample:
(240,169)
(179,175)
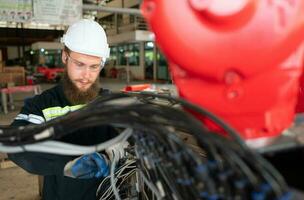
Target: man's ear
(64,57)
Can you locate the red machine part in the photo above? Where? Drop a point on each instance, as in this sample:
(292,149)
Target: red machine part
(137,88)
(50,73)
(240,59)
(300,104)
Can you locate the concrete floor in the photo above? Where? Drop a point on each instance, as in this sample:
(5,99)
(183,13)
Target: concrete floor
(17,184)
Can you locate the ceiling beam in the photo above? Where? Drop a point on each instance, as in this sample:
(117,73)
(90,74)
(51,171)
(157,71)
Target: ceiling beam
(131,11)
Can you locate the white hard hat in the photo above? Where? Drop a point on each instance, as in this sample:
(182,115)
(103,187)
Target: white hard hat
(87,37)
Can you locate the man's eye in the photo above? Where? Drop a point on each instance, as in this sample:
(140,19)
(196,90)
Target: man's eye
(79,64)
(94,67)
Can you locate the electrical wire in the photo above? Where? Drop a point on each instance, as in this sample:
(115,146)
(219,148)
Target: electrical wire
(112,174)
(62,148)
(229,169)
(104,188)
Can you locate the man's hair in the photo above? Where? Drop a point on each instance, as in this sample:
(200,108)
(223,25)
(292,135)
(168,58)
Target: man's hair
(66,49)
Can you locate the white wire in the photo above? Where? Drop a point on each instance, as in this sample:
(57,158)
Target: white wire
(118,172)
(109,191)
(57,147)
(145,194)
(112,173)
(114,180)
(122,168)
(113,185)
(152,187)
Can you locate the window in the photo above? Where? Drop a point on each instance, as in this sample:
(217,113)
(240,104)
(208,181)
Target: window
(130,52)
(149,54)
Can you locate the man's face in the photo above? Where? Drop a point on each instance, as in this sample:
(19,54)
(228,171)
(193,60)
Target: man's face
(83,70)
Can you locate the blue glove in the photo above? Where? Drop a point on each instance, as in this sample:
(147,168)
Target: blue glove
(92,165)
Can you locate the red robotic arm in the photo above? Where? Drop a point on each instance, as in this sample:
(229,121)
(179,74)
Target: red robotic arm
(240,59)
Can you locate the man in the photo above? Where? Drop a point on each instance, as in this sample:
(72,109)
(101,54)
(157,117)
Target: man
(84,54)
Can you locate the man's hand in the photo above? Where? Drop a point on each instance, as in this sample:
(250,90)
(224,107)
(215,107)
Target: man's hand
(92,165)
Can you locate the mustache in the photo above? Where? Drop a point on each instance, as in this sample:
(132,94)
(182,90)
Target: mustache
(74,95)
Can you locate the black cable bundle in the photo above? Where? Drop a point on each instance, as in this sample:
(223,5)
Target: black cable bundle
(169,167)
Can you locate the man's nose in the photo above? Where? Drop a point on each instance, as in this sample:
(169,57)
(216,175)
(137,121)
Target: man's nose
(85,72)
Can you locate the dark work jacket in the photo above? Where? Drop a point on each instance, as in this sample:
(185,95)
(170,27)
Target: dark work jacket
(51,104)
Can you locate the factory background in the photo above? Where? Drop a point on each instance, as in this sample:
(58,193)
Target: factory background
(30,56)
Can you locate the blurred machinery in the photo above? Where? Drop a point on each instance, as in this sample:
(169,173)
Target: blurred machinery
(46,61)
(241,60)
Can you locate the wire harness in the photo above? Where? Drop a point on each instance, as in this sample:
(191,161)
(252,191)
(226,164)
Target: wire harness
(165,166)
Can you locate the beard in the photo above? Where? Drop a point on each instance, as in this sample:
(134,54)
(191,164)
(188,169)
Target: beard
(76,96)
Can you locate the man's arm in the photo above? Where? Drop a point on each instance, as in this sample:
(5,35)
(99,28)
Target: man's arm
(40,163)
(34,162)
(86,166)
